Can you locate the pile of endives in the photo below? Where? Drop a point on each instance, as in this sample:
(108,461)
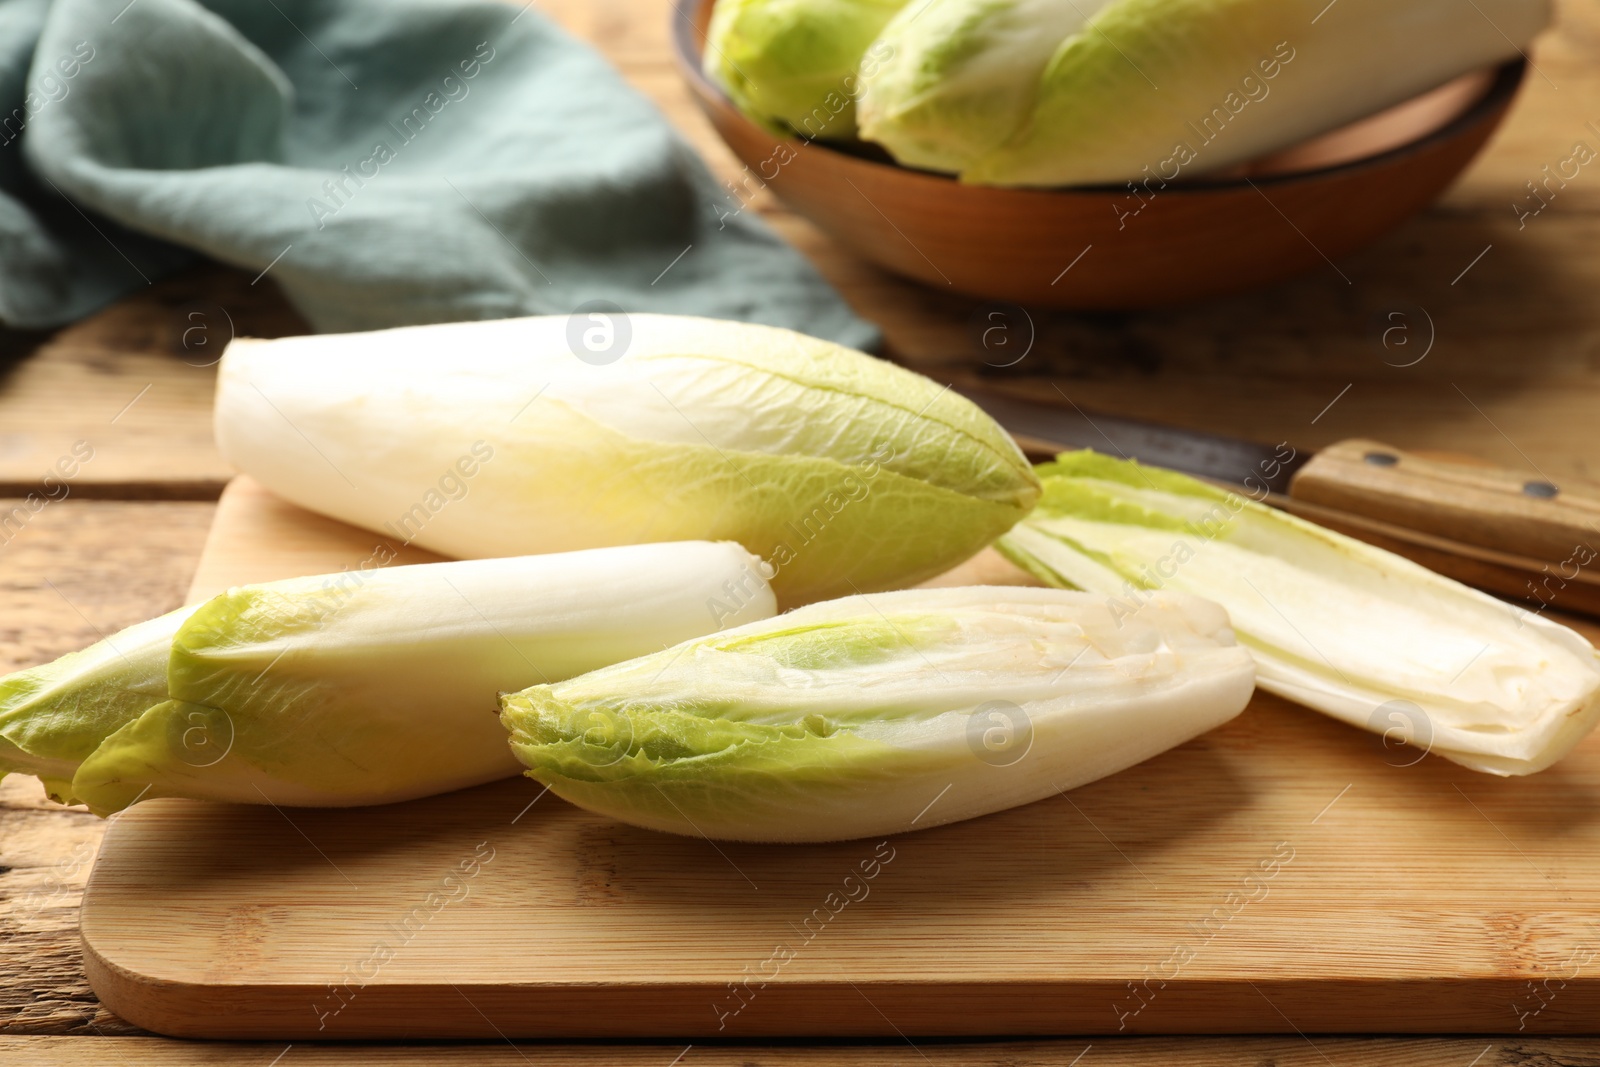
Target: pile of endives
(1069,92)
(640,521)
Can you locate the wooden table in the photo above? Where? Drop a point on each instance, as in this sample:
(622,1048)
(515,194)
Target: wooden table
(1512,374)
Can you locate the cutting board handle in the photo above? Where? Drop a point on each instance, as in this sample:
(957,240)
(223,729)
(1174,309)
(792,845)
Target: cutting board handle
(1458,499)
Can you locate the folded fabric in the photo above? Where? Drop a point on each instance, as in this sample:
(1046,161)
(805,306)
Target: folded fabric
(386,162)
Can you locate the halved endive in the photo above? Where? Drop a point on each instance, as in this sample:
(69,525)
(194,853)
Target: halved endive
(1335,624)
(878,714)
(795,64)
(844,472)
(363,687)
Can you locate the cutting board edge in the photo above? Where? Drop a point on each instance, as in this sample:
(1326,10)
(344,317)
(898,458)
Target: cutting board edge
(824,1009)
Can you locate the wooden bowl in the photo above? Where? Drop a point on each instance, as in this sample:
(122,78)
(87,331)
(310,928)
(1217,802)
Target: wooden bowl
(1103,247)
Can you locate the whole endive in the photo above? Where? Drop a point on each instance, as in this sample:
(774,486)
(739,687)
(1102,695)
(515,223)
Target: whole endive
(1068,92)
(843,472)
(1335,624)
(796,65)
(877,714)
(363,687)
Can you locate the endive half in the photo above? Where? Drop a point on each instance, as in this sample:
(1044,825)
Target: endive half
(358,688)
(1067,92)
(877,714)
(1335,624)
(844,472)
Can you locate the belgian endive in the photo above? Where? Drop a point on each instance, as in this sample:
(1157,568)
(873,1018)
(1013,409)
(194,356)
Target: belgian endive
(1066,92)
(877,714)
(844,472)
(1335,624)
(796,64)
(363,687)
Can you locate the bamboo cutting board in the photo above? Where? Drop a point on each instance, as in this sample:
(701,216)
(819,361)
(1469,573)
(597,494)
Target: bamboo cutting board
(1282,874)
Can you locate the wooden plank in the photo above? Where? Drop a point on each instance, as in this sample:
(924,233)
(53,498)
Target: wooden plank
(1102,1052)
(1515,333)
(1281,873)
(1264,366)
(131,386)
(81,569)
(1489,507)
(1405,911)
(257,533)
(76,570)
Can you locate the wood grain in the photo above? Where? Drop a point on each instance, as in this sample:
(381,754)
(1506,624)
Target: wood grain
(134,384)
(1489,507)
(261,535)
(1510,376)
(77,570)
(1102,1052)
(1282,873)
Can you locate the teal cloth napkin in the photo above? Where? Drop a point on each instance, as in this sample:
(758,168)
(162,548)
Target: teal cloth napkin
(386,162)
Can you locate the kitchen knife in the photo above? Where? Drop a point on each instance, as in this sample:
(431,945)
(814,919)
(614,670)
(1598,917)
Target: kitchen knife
(1480,524)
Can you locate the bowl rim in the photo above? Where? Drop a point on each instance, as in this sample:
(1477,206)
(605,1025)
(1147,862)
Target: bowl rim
(1508,78)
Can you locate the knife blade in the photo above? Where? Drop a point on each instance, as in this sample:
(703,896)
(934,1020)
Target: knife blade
(1489,527)
(1044,429)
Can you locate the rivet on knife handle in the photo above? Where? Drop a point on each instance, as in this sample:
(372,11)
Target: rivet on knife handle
(1486,506)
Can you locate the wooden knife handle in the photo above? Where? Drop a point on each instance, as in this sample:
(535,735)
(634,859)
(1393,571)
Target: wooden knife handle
(1462,501)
